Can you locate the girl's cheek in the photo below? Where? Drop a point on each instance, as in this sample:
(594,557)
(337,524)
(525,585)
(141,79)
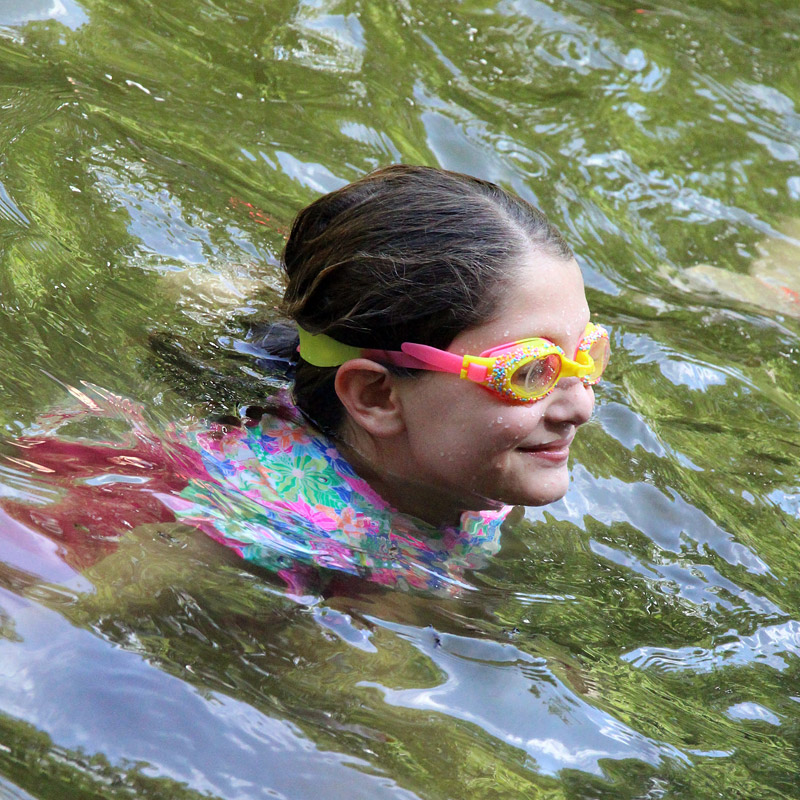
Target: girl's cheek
(506,435)
(524,420)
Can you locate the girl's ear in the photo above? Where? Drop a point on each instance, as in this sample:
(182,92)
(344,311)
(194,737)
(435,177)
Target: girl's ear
(368,392)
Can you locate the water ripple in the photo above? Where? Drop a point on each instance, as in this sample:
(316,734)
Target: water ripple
(771,646)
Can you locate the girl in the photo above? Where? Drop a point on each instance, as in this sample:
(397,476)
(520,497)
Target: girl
(434,312)
(444,360)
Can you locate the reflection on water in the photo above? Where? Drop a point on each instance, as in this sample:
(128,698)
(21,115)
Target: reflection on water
(637,639)
(67,12)
(515,697)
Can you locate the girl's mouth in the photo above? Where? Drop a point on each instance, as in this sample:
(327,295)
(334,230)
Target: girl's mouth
(556,451)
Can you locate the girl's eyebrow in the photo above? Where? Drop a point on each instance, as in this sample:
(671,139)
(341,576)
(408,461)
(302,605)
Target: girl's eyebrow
(554,339)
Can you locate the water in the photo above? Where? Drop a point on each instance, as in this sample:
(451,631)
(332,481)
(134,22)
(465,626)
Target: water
(639,639)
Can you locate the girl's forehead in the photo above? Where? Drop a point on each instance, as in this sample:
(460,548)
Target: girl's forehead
(542,281)
(545,297)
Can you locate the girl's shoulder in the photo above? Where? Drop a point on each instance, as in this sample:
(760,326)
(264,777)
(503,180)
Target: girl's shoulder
(279,485)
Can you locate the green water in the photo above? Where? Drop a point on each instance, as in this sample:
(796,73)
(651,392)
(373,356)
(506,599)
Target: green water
(639,639)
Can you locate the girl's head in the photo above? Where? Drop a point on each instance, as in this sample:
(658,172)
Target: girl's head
(415,254)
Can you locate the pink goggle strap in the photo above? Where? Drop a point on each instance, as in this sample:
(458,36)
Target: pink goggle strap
(418,356)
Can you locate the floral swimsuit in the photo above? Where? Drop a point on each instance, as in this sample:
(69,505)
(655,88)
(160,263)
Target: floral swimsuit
(280,494)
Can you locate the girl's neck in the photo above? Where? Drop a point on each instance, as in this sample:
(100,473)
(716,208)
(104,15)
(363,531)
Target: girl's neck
(406,495)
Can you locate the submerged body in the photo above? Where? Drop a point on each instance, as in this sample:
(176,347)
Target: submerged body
(275,491)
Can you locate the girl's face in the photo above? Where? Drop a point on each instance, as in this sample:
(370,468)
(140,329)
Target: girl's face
(469,449)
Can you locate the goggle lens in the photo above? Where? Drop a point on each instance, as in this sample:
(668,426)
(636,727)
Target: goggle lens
(536,376)
(599,351)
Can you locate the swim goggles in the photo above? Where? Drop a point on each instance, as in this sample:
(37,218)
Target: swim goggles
(523,371)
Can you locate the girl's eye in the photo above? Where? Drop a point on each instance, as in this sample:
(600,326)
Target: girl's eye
(538,374)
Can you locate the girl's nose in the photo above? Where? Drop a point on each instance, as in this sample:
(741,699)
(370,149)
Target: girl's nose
(571,401)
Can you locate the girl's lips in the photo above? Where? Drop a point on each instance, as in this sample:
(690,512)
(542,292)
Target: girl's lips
(556,451)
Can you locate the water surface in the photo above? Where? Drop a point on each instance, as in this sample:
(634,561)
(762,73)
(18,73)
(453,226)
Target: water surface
(640,638)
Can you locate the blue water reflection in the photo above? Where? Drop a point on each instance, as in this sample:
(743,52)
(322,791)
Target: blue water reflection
(18,12)
(87,694)
(516,699)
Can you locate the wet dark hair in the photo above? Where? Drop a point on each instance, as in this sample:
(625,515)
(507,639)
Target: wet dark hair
(405,254)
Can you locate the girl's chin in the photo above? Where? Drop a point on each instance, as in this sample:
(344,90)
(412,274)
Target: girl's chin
(549,490)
